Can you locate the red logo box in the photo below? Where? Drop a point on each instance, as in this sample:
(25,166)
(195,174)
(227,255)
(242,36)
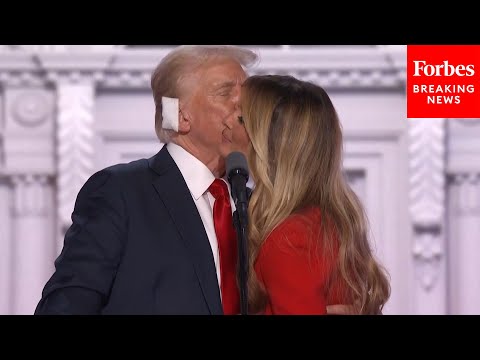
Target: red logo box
(443,81)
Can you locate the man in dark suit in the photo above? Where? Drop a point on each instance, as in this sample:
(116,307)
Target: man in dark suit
(143,239)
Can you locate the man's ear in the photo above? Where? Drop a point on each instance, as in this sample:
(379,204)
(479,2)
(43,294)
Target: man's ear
(184,119)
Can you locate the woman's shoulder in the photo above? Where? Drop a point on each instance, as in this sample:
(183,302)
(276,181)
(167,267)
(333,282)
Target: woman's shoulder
(302,220)
(297,229)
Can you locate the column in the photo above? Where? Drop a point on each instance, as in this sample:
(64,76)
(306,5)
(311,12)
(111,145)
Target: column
(5,247)
(75,72)
(28,166)
(427,209)
(41,135)
(464,216)
(33,248)
(75,148)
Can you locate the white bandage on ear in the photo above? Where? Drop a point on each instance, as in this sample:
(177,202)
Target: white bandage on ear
(170,114)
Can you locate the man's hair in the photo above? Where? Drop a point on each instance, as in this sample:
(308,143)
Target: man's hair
(167,78)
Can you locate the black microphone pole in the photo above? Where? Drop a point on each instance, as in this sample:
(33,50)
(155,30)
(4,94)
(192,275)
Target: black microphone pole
(243,262)
(237,172)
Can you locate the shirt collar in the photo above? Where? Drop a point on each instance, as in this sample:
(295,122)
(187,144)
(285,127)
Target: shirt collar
(197,176)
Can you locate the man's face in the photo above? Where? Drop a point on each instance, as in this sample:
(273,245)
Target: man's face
(214,109)
(240,138)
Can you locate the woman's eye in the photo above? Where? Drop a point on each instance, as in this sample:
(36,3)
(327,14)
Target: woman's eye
(240,120)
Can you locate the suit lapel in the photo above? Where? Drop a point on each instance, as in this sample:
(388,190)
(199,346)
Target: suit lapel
(174,193)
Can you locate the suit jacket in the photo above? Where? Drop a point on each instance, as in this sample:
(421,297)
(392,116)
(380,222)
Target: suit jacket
(137,245)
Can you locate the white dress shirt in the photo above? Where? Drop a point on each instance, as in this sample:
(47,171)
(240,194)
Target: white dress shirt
(199,178)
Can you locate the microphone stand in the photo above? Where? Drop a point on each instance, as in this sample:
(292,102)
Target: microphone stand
(242,244)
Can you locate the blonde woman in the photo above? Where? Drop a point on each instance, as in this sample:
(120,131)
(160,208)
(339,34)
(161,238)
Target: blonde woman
(307,229)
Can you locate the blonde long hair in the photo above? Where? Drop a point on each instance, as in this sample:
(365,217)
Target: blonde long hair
(295,158)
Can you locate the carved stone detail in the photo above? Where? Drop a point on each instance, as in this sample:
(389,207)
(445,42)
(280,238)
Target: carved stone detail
(428,251)
(427,195)
(111,67)
(30,195)
(75,77)
(468,122)
(31,108)
(468,200)
(59,48)
(75,149)
(22,78)
(351,79)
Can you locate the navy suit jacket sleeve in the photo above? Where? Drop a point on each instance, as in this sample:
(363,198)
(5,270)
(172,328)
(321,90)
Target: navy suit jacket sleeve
(92,250)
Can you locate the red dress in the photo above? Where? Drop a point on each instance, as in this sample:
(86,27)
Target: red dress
(294,278)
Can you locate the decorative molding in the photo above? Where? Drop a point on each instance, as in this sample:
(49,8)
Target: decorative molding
(75,149)
(31,108)
(396,55)
(60,48)
(38,65)
(74,76)
(463,146)
(28,132)
(468,194)
(467,122)
(427,195)
(111,66)
(22,78)
(428,252)
(18,68)
(126,79)
(357,67)
(2,153)
(29,195)
(345,79)
(466,178)
(427,171)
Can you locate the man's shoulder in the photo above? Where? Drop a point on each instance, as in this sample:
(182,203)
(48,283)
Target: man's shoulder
(132,171)
(132,167)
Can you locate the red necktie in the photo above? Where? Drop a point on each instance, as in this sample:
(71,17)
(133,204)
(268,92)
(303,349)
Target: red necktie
(227,245)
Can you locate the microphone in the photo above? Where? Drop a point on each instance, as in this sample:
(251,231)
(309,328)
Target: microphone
(237,173)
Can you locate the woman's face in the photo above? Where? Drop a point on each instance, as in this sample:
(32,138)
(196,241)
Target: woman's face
(241,143)
(240,138)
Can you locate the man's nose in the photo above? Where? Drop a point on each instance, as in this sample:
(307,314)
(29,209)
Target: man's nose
(229,120)
(236,99)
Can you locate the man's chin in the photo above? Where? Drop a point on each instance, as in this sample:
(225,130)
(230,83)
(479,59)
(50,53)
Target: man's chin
(236,149)
(226,149)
